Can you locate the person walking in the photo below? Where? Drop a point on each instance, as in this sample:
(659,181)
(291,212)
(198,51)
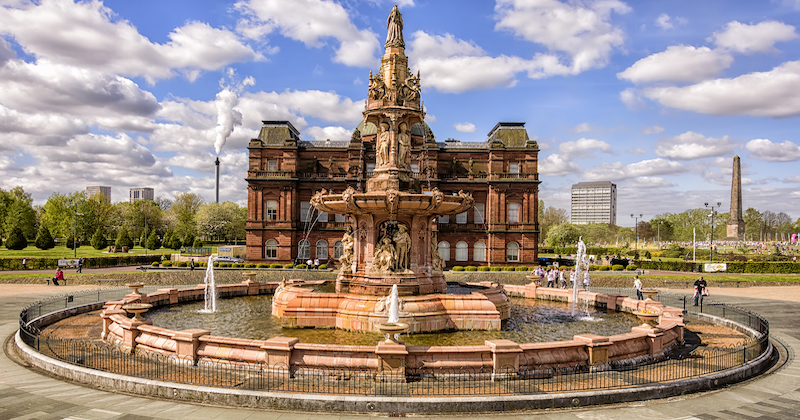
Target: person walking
(316,263)
(562,279)
(586,280)
(309,263)
(59,276)
(191,264)
(637,284)
(24,263)
(551,277)
(80,265)
(700,290)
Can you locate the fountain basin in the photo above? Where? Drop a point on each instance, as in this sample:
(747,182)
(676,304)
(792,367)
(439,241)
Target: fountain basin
(401,203)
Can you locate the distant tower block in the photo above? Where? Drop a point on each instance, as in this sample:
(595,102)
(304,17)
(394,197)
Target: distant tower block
(736,222)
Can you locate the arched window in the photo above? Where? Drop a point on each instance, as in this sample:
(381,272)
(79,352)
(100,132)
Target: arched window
(444,250)
(479,252)
(338,250)
(462,251)
(512,252)
(322,250)
(303,250)
(271,249)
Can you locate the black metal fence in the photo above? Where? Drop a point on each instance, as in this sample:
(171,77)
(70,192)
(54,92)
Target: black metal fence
(368,382)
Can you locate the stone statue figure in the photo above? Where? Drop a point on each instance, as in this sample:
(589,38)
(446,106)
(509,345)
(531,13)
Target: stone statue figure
(384,258)
(346,260)
(377,89)
(402,240)
(410,89)
(404,147)
(437,263)
(394,26)
(383,145)
(471,165)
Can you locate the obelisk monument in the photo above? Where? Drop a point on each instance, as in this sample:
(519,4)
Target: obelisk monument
(736,222)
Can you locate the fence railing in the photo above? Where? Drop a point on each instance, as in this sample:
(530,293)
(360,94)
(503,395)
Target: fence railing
(373,382)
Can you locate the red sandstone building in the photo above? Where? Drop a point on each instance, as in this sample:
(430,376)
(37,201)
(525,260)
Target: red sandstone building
(501,173)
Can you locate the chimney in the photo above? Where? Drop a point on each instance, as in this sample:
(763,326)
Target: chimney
(217,171)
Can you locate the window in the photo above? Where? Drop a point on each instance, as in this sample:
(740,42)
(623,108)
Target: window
(513,212)
(461,218)
(477,213)
(271,249)
(462,251)
(340,218)
(415,168)
(322,250)
(479,252)
(444,250)
(272,165)
(323,217)
(445,218)
(512,252)
(513,168)
(338,250)
(303,250)
(272,210)
(305,211)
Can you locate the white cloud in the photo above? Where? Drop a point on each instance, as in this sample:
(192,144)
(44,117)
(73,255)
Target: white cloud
(765,149)
(582,128)
(691,145)
(748,39)
(665,21)
(636,151)
(617,171)
(465,127)
(311,22)
(792,179)
(89,35)
(648,182)
(583,31)
(679,63)
(328,133)
(632,99)
(583,147)
(775,93)
(655,129)
(557,165)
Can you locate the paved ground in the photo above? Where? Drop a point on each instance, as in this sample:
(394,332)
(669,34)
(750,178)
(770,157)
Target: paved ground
(25,394)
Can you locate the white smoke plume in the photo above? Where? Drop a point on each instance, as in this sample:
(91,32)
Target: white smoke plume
(228,117)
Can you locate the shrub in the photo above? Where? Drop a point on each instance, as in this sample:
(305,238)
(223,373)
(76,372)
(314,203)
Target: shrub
(301,267)
(249,265)
(123,239)
(16,240)
(472,268)
(153,242)
(458,268)
(509,268)
(483,268)
(44,240)
(631,267)
(188,240)
(202,264)
(323,266)
(273,265)
(197,243)
(617,267)
(166,263)
(260,265)
(225,265)
(155,264)
(99,239)
(181,264)
(237,265)
(495,268)
(603,268)
(522,268)
(288,266)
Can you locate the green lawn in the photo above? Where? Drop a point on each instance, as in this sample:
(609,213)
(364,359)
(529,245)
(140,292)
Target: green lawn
(84,251)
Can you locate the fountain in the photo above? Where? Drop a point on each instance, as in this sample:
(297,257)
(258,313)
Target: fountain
(211,288)
(391,240)
(581,267)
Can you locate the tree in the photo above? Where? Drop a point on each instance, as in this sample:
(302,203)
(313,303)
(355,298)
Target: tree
(183,211)
(221,221)
(565,234)
(17,212)
(753,224)
(596,233)
(123,239)
(662,226)
(549,217)
(645,230)
(99,239)
(153,242)
(44,240)
(16,240)
(188,241)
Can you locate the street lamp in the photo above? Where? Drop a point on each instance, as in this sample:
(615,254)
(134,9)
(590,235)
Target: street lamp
(636,233)
(659,233)
(711,246)
(75,230)
(144,211)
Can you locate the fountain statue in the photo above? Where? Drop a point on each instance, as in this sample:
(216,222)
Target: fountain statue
(391,241)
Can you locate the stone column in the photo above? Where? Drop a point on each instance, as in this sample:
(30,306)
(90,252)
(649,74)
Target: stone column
(173,295)
(393,361)
(278,352)
(655,337)
(597,347)
(735,227)
(187,342)
(505,357)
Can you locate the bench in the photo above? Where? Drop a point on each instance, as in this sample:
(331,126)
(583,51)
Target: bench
(50,279)
(108,281)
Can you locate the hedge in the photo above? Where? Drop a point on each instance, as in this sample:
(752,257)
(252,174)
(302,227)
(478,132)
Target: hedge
(458,268)
(764,267)
(631,267)
(288,266)
(472,268)
(483,268)
(617,267)
(323,266)
(89,262)
(273,265)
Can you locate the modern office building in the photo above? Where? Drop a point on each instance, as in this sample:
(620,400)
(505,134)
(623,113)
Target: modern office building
(106,191)
(137,194)
(594,202)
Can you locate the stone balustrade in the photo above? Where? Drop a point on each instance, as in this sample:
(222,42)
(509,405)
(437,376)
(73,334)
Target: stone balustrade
(641,343)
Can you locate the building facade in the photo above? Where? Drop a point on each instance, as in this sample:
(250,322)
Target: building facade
(105,191)
(501,174)
(594,202)
(137,194)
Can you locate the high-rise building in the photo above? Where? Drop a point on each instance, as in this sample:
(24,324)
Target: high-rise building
(106,191)
(594,202)
(137,194)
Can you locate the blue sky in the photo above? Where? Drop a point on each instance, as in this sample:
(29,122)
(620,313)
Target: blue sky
(655,96)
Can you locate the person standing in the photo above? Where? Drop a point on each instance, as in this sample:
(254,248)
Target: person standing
(637,284)
(700,290)
(316,263)
(562,280)
(309,263)
(551,277)
(24,263)
(586,280)
(80,265)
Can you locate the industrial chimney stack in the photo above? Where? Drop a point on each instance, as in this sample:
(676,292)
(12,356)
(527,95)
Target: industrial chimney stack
(217,164)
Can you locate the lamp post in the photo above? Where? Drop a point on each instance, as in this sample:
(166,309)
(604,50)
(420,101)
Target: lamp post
(74,203)
(711,215)
(659,233)
(144,211)
(636,233)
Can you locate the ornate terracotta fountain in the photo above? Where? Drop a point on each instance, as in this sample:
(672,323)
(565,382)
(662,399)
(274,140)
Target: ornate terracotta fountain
(392,237)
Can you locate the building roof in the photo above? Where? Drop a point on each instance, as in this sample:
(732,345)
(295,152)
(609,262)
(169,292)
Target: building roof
(593,184)
(277,132)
